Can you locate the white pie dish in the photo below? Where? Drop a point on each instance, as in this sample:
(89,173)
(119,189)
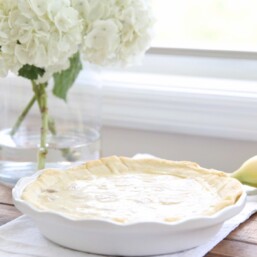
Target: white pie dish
(130,239)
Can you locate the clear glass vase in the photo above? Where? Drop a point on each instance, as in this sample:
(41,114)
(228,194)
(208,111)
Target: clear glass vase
(75,125)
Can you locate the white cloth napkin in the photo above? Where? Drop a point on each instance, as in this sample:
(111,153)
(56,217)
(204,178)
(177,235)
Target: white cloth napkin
(21,238)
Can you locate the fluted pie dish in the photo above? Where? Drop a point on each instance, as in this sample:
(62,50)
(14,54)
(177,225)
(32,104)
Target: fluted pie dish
(130,207)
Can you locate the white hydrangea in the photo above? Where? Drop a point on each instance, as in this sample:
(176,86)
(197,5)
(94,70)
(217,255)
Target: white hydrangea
(115,31)
(43,33)
(46,33)
(7,59)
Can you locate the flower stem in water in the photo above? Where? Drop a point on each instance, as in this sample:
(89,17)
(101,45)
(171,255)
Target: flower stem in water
(42,153)
(22,116)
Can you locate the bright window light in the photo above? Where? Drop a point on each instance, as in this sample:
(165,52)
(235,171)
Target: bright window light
(206,24)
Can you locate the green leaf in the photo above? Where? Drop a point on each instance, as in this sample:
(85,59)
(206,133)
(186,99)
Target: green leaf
(31,72)
(65,79)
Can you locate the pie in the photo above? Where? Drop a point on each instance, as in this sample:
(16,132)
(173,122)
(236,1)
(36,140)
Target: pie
(125,190)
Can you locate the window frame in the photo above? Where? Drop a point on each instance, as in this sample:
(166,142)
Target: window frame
(227,109)
(213,96)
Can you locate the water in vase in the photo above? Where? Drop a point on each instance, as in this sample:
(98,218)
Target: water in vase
(18,154)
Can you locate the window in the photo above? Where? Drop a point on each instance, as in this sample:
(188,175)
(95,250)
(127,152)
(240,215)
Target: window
(199,78)
(206,24)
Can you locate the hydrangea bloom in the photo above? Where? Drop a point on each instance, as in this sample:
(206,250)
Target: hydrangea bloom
(46,33)
(43,33)
(115,31)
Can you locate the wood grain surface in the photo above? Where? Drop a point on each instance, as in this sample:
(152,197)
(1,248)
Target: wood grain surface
(242,242)
(7,211)
(5,195)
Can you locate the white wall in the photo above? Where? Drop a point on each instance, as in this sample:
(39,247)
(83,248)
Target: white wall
(222,154)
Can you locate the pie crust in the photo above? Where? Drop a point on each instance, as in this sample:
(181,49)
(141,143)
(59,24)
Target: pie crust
(125,190)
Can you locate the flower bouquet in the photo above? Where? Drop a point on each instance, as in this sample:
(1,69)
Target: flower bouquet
(45,41)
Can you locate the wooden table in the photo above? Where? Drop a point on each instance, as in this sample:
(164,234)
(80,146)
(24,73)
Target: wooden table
(240,243)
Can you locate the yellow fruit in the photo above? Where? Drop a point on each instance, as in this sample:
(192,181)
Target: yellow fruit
(247,173)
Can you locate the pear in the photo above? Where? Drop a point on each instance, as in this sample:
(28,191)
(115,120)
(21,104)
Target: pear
(247,173)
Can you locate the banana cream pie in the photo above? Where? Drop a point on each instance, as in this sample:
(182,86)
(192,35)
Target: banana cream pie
(126,190)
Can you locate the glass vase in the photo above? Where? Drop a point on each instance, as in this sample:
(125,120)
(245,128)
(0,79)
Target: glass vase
(74,126)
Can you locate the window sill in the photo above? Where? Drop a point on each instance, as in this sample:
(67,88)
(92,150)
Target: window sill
(206,106)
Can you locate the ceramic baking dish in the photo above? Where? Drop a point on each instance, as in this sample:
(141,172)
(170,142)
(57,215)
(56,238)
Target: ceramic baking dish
(130,239)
